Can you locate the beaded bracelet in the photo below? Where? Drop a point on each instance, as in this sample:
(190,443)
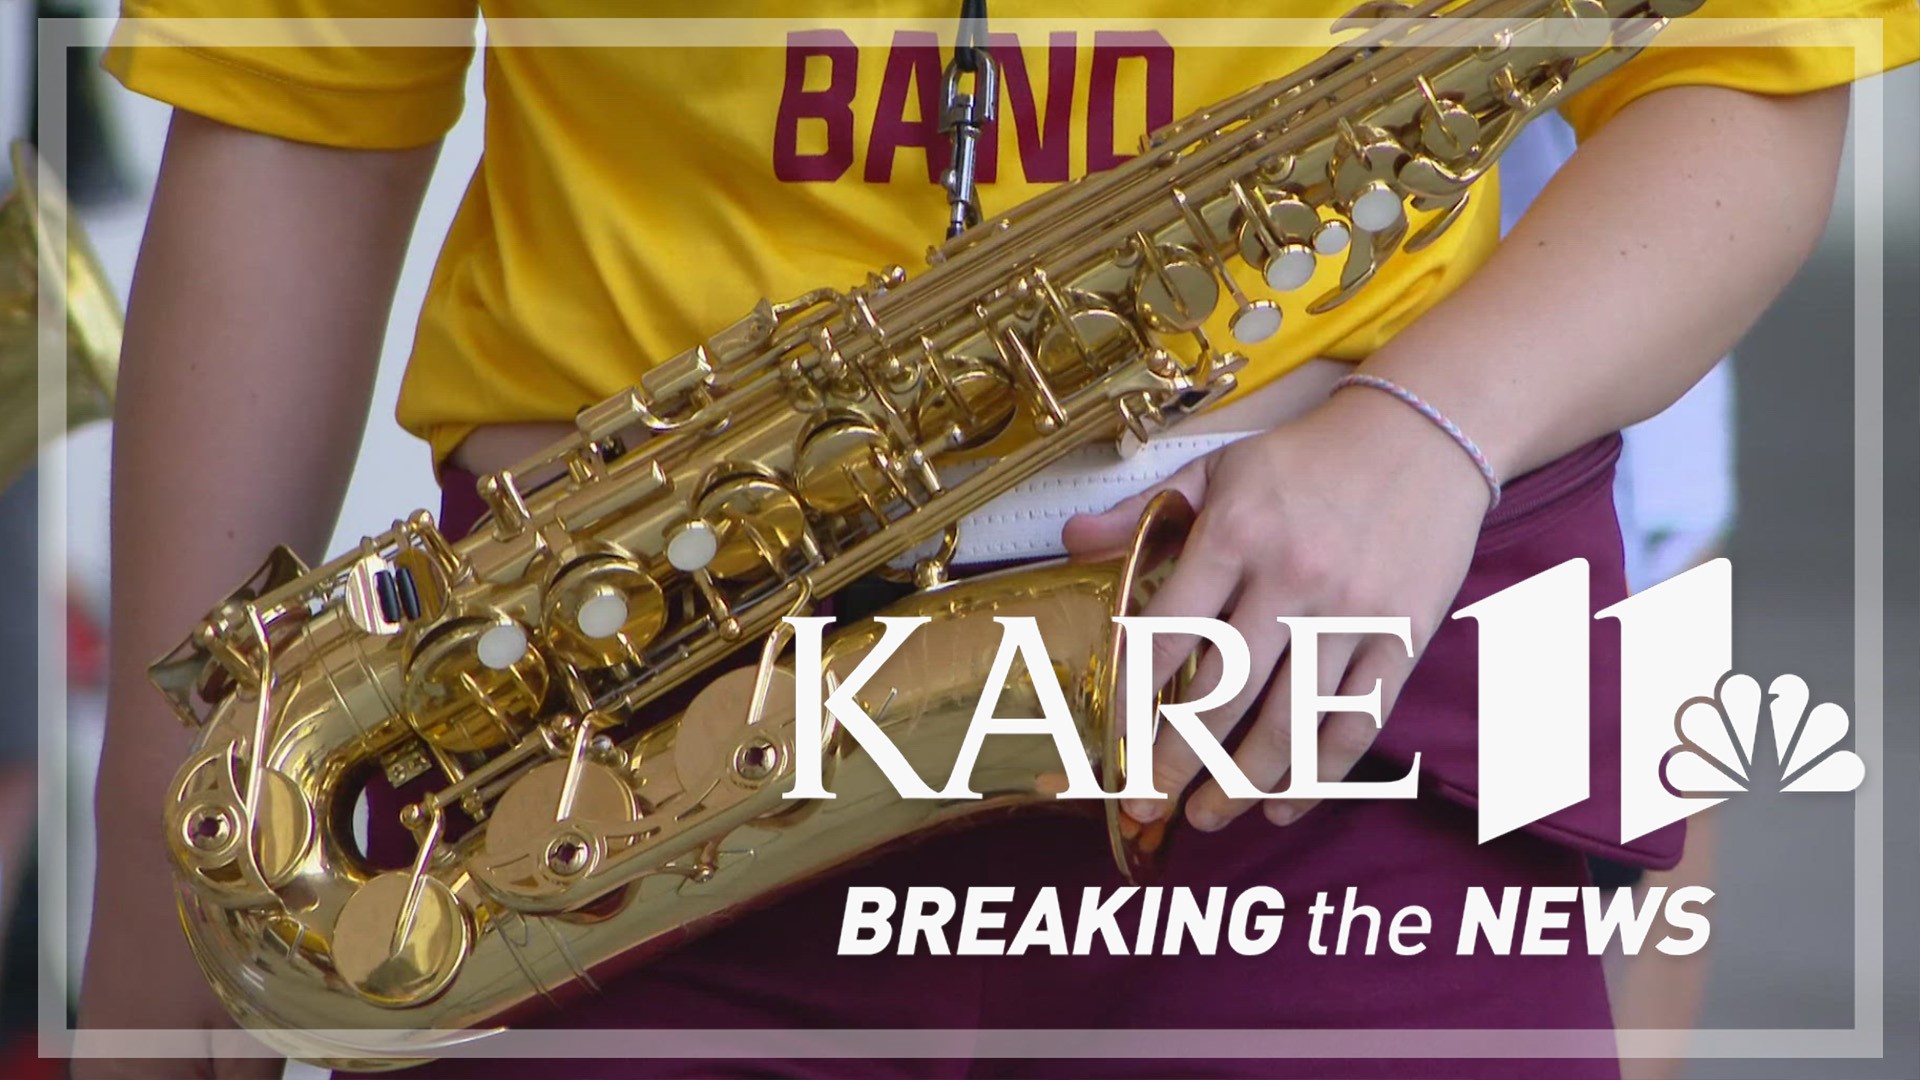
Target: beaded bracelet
(1439,419)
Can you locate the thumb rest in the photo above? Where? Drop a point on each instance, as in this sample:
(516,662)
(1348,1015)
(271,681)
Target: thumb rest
(517,678)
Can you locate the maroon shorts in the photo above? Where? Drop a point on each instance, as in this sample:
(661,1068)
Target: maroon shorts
(778,968)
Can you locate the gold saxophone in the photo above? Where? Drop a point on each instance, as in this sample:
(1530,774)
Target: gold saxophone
(565,828)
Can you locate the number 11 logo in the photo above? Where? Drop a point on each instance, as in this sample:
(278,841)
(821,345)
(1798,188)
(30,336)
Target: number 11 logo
(1680,752)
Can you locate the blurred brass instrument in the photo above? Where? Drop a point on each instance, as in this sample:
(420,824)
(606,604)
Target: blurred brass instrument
(92,314)
(567,821)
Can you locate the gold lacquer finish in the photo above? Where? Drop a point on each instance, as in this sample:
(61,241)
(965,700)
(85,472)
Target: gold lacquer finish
(83,294)
(399,940)
(567,815)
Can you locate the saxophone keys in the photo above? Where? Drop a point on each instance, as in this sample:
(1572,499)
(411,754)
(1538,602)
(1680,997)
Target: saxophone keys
(1378,208)
(396,970)
(1434,229)
(692,547)
(756,523)
(1581,28)
(212,831)
(1290,268)
(1332,238)
(841,468)
(1077,348)
(720,753)
(1368,160)
(602,615)
(970,402)
(1174,291)
(524,823)
(601,609)
(475,683)
(1448,130)
(283,828)
(1278,234)
(503,646)
(1256,322)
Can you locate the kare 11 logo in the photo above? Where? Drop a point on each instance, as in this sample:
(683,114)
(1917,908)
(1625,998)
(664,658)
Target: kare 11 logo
(1691,734)
(1690,727)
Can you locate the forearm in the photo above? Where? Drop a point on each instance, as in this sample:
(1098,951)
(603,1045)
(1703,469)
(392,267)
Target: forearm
(255,326)
(1648,257)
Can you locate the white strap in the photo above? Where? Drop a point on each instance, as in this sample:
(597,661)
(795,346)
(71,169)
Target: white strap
(1025,522)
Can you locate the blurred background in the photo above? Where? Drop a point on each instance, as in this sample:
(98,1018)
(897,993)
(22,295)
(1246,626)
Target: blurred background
(1783,929)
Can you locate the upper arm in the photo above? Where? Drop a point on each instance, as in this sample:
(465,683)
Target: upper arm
(1732,163)
(256,320)
(299,152)
(254,330)
(1773,48)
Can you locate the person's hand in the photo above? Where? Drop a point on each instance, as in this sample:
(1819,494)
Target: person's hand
(1360,508)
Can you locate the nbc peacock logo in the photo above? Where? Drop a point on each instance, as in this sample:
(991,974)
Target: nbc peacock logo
(1725,750)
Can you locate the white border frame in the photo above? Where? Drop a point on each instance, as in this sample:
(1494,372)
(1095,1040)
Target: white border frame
(1865,1039)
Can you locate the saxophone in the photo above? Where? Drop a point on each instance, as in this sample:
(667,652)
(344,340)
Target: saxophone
(516,679)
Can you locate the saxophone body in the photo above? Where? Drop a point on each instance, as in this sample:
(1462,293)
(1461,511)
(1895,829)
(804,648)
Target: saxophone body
(569,815)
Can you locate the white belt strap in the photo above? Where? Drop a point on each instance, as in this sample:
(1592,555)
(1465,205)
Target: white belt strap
(1025,521)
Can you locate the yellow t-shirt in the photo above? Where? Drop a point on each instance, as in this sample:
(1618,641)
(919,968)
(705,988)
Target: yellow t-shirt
(642,187)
